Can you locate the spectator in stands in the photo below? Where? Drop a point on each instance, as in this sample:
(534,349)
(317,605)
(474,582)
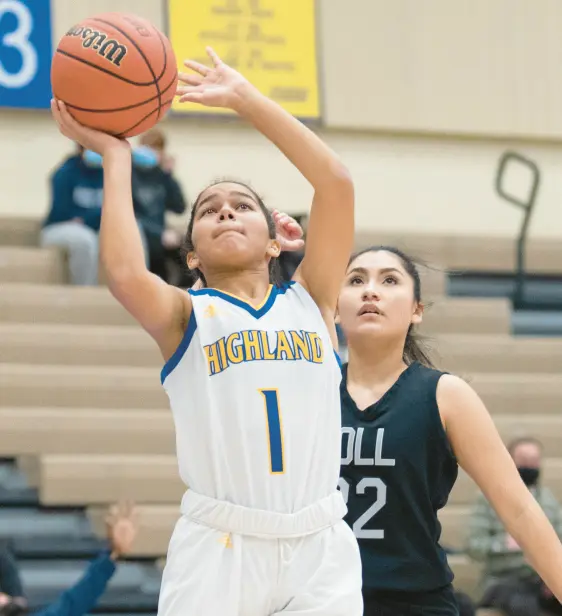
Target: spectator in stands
(155,192)
(509,582)
(81,598)
(73,221)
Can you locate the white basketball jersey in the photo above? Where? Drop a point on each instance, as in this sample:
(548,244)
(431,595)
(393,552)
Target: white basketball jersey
(255,396)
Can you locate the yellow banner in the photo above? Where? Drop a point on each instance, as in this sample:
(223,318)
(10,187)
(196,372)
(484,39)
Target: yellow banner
(271,42)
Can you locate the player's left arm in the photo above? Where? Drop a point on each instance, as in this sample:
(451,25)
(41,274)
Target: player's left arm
(331,226)
(331,223)
(482,454)
(329,242)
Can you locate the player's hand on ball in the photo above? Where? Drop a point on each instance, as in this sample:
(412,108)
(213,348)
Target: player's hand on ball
(88,138)
(289,232)
(220,86)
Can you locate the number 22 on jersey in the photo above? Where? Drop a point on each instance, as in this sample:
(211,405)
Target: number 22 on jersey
(274,430)
(362,486)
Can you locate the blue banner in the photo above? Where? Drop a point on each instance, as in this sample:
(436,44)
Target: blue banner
(25,53)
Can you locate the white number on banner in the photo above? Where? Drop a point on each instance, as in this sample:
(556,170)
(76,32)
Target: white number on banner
(18,39)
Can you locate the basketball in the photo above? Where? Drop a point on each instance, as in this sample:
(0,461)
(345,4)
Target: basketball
(116,73)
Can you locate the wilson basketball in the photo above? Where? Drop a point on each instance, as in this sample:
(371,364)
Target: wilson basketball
(116,72)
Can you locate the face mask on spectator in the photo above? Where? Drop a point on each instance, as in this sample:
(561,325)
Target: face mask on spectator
(145,157)
(529,475)
(92,159)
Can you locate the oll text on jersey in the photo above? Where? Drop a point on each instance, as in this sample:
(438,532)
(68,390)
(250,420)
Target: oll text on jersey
(260,345)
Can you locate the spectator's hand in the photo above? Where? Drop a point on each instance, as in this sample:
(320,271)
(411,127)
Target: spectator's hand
(88,138)
(511,544)
(122,528)
(219,86)
(170,239)
(289,232)
(79,221)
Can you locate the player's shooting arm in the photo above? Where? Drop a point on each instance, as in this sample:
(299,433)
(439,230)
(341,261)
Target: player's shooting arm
(161,309)
(481,452)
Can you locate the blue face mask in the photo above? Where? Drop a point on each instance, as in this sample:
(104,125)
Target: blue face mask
(92,159)
(145,157)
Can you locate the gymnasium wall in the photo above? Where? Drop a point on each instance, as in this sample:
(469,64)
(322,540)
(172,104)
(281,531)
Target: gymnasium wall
(419,103)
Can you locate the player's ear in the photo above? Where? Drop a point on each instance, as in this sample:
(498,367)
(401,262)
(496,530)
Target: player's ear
(417,317)
(274,249)
(192,260)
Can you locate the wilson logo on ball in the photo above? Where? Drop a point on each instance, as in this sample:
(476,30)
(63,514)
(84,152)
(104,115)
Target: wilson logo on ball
(106,47)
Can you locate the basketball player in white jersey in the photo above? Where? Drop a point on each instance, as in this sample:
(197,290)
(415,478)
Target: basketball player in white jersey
(251,374)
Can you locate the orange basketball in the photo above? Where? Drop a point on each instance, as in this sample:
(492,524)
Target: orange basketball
(116,73)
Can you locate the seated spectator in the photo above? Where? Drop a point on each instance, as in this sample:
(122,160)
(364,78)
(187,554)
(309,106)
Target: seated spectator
(509,582)
(81,598)
(155,192)
(74,218)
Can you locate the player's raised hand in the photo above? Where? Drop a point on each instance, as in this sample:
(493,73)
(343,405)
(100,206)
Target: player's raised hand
(216,86)
(289,232)
(88,138)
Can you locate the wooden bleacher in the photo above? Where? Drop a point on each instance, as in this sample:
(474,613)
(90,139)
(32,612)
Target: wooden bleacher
(101,345)
(83,410)
(454,253)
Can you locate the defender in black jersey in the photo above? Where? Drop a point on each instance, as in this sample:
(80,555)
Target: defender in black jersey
(397,471)
(405,426)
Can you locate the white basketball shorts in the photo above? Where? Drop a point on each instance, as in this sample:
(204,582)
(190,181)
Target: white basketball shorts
(227,560)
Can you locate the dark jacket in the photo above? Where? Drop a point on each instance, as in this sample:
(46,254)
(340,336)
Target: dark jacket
(155,192)
(76,192)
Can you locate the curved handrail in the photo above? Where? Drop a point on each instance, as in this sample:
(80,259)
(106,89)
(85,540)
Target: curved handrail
(528,208)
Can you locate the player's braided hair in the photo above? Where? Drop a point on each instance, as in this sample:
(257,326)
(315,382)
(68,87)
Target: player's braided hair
(274,270)
(414,348)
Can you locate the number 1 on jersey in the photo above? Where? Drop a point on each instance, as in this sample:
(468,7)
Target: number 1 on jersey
(274,430)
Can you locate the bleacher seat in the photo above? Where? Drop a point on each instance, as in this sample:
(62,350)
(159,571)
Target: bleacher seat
(81,386)
(42,430)
(32,265)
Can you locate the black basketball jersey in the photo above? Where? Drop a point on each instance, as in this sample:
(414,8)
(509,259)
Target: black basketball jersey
(397,472)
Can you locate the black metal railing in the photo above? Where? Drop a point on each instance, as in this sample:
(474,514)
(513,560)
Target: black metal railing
(527,205)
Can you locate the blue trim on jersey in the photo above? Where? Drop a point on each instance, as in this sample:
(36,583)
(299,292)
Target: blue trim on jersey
(182,348)
(257,313)
(338,359)
(284,287)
